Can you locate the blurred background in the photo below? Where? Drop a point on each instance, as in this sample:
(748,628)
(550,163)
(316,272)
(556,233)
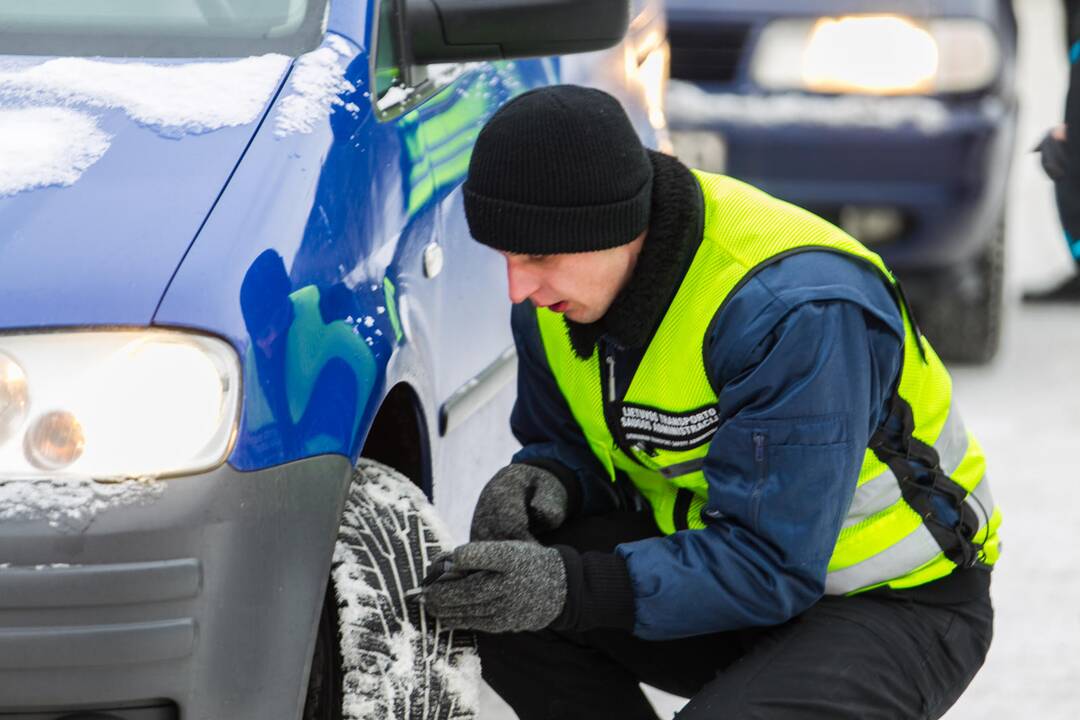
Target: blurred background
(929,163)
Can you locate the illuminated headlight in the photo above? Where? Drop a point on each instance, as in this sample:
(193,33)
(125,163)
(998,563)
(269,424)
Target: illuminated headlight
(13,397)
(115,404)
(880,54)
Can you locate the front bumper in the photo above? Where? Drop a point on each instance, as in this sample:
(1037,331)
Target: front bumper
(942,165)
(199,601)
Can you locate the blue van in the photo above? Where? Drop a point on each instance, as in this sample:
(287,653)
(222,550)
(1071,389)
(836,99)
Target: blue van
(245,337)
(894,119)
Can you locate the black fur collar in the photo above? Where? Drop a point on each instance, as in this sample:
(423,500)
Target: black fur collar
(676,219)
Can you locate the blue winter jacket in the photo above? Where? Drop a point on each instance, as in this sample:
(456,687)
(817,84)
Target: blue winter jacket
(810,349)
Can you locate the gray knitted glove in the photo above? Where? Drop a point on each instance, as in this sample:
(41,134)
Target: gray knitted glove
(508,586)
(518,500)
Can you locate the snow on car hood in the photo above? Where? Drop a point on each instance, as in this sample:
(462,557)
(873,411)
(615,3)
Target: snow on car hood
(107,170)
(174,99)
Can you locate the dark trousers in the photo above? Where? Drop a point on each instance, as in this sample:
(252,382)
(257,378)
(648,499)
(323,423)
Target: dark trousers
(864,657)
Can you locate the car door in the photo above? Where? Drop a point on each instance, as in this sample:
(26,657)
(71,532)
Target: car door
(476,358)
(449,291)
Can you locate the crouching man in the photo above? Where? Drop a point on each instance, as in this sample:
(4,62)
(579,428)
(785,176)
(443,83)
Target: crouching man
(742,479)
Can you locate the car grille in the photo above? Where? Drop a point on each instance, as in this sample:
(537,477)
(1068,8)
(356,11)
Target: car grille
(706,52)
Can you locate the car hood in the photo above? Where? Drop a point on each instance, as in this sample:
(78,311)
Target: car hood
(108,168)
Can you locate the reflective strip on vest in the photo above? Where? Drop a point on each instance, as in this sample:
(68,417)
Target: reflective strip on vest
(883,491)
(914,551)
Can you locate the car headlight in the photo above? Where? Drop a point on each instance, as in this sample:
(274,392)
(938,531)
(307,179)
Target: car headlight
(115,404)
(878,54)
(13,397)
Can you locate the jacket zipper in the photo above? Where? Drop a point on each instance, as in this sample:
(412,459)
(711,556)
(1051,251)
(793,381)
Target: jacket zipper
(611,377)
(759,486)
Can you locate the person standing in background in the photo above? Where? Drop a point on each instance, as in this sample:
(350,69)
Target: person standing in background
(1062,164)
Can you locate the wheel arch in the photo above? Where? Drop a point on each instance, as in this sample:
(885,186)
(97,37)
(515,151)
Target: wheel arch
(398,436)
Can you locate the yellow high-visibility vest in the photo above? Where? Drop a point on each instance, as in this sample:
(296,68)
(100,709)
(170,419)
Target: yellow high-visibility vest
(671,402)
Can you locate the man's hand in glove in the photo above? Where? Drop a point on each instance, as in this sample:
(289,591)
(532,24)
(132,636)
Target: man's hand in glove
(508,586)
(518,501)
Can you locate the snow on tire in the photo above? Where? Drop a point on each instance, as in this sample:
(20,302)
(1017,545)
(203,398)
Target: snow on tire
(397,662)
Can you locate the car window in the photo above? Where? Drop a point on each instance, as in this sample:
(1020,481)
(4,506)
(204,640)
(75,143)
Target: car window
(398,85)
(388,73)
(162,28)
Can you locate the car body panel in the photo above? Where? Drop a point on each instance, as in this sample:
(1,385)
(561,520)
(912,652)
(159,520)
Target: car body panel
(366,197)
(239,561)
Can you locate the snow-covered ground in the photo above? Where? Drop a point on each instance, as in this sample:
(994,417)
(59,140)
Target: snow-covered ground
(1025,409)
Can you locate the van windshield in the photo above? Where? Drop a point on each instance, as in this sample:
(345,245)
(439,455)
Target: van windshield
(160,28)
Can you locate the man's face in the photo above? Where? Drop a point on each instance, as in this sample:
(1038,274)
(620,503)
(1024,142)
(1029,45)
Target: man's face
(581,286)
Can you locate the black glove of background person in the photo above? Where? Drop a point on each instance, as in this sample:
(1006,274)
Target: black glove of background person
(518,501)
(1055,156)
(1052,155)
(507,586)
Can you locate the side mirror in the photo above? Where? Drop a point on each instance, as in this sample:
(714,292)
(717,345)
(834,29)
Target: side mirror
(440,31)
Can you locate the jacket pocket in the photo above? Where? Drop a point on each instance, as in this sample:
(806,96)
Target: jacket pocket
(804,473)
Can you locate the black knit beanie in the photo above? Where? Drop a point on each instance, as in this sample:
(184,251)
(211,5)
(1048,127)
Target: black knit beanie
(558,170)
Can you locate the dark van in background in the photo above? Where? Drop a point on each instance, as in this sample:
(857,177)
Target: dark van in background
(894,119)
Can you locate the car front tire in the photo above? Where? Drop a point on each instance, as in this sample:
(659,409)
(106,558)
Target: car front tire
(962,317)
(377,655)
